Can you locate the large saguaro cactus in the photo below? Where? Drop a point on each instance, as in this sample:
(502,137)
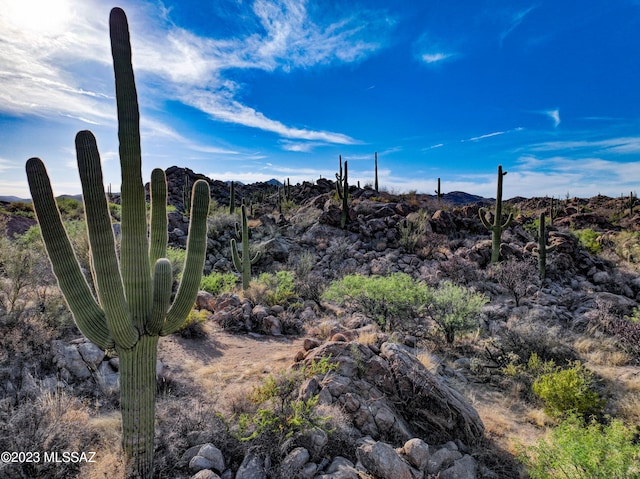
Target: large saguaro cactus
(497,227)
(133,308)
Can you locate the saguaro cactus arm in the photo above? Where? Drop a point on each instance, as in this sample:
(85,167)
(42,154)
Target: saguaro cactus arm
(159,236)
(88,315)
(196,252)
(103,250)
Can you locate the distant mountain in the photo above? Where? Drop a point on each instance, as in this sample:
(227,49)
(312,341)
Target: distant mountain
(462,198)
(273,182)
(11,199)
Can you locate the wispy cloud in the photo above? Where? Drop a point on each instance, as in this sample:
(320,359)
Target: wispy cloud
(488,135)
(622,145)
(436,57)
(555,116)
(514,22)
(192,69)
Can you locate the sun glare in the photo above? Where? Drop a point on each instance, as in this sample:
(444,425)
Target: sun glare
(44,16)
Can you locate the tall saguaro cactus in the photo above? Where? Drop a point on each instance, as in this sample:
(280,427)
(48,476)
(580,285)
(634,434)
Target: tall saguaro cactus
(344,214)
(497,227)
(133,306)
(243,265)
(542,249)
(375,171)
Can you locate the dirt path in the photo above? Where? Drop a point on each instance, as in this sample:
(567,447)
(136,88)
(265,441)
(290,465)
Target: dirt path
(224,363)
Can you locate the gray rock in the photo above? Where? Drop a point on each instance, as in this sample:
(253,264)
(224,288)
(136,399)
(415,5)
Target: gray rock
(383,461)
(205,474)
(464,468)
(252,467)
(213,454)
(442,459)
(294,462)
(91,354)
(417,453)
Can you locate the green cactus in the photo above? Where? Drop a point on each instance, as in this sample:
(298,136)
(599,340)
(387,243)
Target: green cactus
(232,198)
(133,306)
(339,179)
(186,195)
(344,215)
(497,227)
(438,193)
(375,167)
(243,265)
(542,249)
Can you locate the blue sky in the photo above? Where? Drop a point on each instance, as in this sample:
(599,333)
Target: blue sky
(250,90)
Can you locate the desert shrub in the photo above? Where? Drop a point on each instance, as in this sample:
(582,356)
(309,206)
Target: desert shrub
(280,287)
(194,326)
(589,239)
(574,450)
(50,422)
(455,309)
(392,301)
(216,283)
(568,392)
(459,270)
(176,256)
(20,208)
(280,411)
(220,221)
(627,245)
(515,276)
(70,208)
(412,229)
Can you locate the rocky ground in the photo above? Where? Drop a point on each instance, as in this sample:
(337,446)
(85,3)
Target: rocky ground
(452,415)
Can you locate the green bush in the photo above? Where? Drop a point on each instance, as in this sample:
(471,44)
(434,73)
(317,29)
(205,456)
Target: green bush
(193,327)
(280,287)
(589,240)
(568,392)
(576,451)
(455,309)
(216,283)
(177,257)
(280,411)
(390,300)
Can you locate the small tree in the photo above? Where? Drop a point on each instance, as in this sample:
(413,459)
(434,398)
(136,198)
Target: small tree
(455,308)
(389,300)
(515,277)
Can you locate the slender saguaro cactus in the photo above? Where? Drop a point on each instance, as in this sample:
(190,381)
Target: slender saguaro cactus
(542,249)
(438,193)
(133,307)
(375,181)
(243,265)
(497,227)
(344,215)
(339,179)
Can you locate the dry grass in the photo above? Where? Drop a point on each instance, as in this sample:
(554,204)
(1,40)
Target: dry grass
(601,351)
(429,361)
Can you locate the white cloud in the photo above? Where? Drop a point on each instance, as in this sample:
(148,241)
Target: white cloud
(39,77)
(554,115)
(436,57)
(488,135)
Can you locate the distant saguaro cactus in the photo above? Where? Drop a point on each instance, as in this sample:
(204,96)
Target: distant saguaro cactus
(438,193)
(375,180)
(243,264)
(542,249)
(344,215)
(497,227)
(134,307)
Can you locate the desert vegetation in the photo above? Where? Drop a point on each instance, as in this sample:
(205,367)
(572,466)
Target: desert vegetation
(318,330)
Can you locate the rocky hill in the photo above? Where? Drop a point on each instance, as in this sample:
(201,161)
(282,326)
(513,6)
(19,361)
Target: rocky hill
(405,397)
